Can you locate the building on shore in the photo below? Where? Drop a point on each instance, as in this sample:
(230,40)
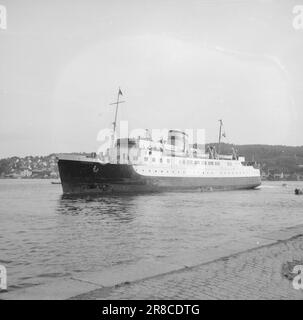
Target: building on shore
(26,173)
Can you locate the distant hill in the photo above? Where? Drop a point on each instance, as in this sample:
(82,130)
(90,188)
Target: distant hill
(273,160)
(29,167)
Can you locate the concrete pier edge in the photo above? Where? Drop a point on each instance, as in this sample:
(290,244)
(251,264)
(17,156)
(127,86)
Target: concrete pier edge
(85,282)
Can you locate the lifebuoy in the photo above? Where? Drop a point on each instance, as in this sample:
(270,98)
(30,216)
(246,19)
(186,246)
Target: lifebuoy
(95,169)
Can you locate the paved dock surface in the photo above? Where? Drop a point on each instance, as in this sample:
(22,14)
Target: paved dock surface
(255,274)
(252,268)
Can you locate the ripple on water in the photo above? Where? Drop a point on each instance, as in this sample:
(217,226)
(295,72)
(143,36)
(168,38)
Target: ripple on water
(44,235)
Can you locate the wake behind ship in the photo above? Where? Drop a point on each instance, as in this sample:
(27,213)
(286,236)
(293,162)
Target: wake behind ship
(134,165)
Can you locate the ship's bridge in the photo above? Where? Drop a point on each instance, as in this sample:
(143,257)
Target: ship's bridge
(137,150)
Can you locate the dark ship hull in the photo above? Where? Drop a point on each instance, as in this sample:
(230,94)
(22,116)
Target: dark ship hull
(80,177)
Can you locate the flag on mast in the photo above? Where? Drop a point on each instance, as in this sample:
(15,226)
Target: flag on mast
(120,92)
(223,131)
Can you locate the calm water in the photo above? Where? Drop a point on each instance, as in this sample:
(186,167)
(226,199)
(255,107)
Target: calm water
(43,235)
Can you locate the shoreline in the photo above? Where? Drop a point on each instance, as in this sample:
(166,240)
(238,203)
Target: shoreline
(257,263)
(53,178)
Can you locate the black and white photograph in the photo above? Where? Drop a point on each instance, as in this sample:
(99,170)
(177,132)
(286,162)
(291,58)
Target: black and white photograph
(151,150)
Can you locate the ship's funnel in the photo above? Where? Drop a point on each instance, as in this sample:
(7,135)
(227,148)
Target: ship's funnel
(178,139)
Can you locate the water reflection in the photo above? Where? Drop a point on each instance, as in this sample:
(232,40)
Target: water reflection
(121,207)
(44,233)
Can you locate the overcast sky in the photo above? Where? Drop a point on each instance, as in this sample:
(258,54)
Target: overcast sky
(180,64)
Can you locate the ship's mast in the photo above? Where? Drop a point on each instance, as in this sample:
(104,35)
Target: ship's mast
(112,155)
(220,135)
(117,106)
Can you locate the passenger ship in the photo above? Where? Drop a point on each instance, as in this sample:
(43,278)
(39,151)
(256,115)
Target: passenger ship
(139,164)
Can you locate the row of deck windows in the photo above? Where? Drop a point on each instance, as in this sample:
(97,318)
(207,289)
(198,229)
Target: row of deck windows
(196,162)
(168,161)
(183,172)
